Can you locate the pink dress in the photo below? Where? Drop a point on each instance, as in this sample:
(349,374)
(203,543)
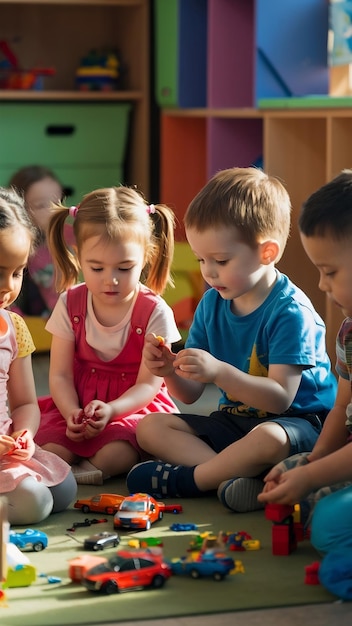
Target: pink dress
(16,342)
(106,380)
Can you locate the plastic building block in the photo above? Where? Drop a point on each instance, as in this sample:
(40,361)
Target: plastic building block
(278,512)
(311,577)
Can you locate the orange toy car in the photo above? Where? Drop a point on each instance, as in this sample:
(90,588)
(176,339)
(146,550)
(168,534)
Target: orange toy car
(138,511)
(102,503)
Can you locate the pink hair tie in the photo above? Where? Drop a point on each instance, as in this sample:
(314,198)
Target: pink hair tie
(150,209)
(73,211)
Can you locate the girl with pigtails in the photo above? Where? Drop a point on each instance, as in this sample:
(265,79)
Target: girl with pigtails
(99,385)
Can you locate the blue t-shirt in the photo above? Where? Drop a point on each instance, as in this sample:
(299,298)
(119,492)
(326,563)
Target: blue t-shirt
(284,329)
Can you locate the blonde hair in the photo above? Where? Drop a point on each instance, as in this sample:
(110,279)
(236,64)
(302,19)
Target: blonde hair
(117,214)
(257,204)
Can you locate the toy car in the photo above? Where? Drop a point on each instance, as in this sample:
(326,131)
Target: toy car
(103,503)
(197,565)
(183,527)
(170,508)
(101,540)
(128,570)
(29,539)
(138,511)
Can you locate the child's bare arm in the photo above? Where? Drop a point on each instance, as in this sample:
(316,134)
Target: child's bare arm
(62,389)
(23,406)
(273,393)
(334,433)
(295,484)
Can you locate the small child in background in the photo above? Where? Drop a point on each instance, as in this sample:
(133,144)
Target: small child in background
(99,385)
(40,188)
(322,480)
(35,482)
(256,336)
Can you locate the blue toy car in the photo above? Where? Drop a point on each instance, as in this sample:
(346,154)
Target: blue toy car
(29,539)
(183,527)
(208,564)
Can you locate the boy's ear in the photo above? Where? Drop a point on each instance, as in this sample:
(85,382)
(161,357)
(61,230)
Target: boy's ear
(270,251)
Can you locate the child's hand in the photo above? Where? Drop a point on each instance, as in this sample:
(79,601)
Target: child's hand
(24,446)
(157,356)
(7,444)
(197,365)
(76,426)
(287,487)
(97,415)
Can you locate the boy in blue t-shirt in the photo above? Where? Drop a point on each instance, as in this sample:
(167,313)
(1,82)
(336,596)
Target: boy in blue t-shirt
(256,336)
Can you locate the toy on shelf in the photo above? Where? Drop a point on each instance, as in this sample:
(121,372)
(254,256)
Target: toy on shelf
(99,71)
(128,570)
(12,76)
(101,503)
(29,539)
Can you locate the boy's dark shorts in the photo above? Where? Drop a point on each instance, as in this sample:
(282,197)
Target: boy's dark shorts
(220,429)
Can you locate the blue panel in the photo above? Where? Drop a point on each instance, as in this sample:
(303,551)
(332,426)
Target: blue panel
(192,47)
(292,48)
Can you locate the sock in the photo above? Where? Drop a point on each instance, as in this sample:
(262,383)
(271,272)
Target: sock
(185,483)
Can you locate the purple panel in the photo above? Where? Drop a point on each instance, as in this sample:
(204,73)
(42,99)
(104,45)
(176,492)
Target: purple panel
(231,53)
(233,143)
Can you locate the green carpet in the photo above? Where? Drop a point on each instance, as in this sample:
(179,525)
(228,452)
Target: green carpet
(269,581)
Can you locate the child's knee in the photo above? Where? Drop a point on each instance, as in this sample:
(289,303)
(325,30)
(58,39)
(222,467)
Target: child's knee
(64,493)
(30,503)
(331,522)
(148,424)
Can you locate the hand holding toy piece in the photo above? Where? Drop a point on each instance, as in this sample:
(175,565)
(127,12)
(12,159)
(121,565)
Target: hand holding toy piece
(7,444)
(23,446)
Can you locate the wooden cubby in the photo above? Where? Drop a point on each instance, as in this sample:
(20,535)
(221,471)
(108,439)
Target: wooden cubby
(59,33)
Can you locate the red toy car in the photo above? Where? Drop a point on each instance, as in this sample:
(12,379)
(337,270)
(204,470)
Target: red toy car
(128,570)
(138,511)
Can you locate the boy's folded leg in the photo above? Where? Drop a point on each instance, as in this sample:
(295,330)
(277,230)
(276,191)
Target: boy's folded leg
(241,494)
(296,460)
(163,480)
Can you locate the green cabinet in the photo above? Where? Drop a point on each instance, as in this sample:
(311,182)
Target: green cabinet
(84,143)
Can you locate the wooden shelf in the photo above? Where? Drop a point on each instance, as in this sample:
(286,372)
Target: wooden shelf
(59,33)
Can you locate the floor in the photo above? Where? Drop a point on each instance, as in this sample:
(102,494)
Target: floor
(314,615)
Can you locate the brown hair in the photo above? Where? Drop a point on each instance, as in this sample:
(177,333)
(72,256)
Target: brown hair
(257,204)
(116,213)
(30,174)
(12,212)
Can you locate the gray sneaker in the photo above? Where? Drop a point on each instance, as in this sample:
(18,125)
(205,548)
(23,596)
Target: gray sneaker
(241,494)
